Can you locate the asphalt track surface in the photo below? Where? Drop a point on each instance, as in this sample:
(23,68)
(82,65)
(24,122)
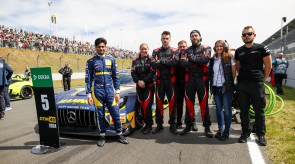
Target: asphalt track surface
(18,137)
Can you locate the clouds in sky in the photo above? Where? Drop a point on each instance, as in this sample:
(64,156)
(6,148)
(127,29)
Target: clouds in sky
(137,21)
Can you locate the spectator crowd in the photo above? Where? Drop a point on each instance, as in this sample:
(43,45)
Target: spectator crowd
(22,39)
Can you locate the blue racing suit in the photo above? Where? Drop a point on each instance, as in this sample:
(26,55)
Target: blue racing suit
(101,77)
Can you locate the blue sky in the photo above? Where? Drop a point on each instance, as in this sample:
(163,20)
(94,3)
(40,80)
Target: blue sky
(137,21)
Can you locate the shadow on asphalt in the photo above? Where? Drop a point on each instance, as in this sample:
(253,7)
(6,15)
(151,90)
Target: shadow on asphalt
(165,137)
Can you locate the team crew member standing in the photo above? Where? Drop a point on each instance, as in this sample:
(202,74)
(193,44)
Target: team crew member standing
(222,71)
(143,74)
(164,62)
(280,71)
(180,82)
(249,63)
(180,89)
(102,77)
(195,59)
(66,76)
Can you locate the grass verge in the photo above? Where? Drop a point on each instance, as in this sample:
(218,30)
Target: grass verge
(280,129)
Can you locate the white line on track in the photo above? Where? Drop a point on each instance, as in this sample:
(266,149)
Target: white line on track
(254,151)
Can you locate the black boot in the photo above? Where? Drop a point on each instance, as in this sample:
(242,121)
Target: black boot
(147,129)
(158,128)
(208,132)
(101,141)
(144,128)
(195,127)
(178,125)
(173,129)
(187,129)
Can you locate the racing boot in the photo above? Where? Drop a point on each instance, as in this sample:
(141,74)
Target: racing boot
(122,139)
(147,129)
(195,127)
(101,141)
(173,129)
(187,129)
(158,128)
(208,132)
(144,128)
(178,125)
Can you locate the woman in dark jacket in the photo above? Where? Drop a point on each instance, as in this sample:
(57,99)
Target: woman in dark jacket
(221,74)
(143,74)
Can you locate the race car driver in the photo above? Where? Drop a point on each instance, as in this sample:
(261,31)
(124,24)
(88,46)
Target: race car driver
(100,77)
(143,75)
(164,62)
(195,59)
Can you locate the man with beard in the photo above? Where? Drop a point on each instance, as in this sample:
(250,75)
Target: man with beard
(195,60)
(249,64)
(180,89)
(164,62)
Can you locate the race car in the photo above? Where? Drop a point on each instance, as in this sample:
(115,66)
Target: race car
(20,88)
(75,116)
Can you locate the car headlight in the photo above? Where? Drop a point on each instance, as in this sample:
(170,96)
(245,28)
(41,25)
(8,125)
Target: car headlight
(122,102)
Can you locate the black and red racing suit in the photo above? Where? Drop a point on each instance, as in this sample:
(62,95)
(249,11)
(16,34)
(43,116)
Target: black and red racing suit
(195,60)
(141,70)
(164,61)
(179,89)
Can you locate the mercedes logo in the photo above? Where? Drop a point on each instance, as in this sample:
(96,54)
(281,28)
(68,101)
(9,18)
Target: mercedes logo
(71,116)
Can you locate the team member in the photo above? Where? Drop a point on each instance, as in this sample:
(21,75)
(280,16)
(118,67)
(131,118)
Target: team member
(5,74)
(101,75)
(164,61)
(222,71)
(143,74)
(27,72)
(195,59)
(180,82)
(179,88)
(66,76)
(249,64)
(280,71)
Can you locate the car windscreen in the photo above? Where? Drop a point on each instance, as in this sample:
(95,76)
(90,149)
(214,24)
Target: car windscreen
(125,78)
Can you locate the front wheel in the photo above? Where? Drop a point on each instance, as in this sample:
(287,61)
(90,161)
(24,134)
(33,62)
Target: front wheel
(26,92)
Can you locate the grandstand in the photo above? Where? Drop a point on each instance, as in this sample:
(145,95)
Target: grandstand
(274,41)
(274,44)
(22,39)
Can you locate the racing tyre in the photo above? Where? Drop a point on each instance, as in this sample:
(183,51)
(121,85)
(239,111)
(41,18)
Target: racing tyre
(26,92)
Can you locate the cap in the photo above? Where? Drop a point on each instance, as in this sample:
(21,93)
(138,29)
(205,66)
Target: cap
(195,31)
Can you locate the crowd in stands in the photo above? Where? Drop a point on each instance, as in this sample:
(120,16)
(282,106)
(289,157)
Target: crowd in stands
(22,39)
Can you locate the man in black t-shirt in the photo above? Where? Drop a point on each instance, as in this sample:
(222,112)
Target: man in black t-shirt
(249,64)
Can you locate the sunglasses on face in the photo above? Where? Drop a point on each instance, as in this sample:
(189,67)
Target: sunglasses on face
(249,34)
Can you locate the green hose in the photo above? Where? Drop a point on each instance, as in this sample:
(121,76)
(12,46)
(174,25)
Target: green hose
(270,106)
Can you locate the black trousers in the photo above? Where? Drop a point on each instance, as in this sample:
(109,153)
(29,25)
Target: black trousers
(278,81)
(167,87)
(196,84)
(145,97)
(66,83)
(179,90)
(252,93)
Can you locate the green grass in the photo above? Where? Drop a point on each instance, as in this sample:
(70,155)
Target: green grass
(280,129)
(19,59)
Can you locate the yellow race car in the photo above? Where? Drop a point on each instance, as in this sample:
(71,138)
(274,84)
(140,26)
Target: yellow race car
(20,88)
